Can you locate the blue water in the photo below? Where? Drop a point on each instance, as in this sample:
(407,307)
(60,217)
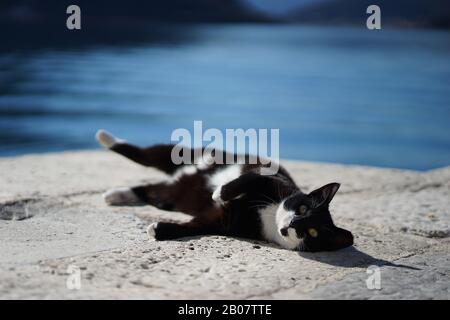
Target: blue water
(336,94)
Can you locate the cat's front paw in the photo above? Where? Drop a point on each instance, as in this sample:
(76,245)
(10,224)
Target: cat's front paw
(216,196)
(164,231)
(151,230)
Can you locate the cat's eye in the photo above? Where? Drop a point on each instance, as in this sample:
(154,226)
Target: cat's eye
(313,232)
(303,209)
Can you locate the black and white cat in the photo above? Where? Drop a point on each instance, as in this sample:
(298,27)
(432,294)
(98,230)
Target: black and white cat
(231,200)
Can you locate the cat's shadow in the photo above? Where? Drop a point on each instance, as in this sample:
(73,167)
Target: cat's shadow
(350,257)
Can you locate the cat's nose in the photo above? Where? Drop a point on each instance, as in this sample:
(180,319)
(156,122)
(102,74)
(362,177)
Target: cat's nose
(284,231)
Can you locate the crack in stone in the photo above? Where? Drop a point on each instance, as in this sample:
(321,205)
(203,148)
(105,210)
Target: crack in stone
(26,208)
(17,210)
(434,185)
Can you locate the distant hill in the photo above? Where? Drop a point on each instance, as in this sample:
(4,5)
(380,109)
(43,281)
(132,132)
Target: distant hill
(166,11)
(38,24)
(407,13)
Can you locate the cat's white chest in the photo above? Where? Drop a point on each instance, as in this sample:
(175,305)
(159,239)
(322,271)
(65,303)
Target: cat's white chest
(272,220)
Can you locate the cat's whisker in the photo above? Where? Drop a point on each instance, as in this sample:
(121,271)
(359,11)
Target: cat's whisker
(257,207)
(279,192)
(261,201)
(270,199)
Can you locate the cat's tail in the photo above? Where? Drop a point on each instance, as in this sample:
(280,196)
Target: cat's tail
(157,156)
(107,140)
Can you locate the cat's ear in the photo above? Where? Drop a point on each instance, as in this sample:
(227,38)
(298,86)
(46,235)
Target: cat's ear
(341,239)
(324,194)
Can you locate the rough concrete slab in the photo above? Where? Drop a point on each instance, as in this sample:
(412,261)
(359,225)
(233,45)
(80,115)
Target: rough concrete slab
(400,220)
(428,280)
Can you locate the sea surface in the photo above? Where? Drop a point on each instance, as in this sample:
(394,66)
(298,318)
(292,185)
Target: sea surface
(346,95)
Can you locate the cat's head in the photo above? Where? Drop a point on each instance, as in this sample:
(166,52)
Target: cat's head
(309,216)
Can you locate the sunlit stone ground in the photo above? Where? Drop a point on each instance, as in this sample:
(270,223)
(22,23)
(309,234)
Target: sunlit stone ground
(400,220)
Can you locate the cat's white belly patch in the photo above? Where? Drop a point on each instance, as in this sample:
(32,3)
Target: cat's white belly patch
(186,170)
(205,162)
(273,218)
(222,177)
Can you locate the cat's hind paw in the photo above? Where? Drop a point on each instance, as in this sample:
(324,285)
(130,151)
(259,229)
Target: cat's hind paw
(106,139)
(121,196)
(151,230)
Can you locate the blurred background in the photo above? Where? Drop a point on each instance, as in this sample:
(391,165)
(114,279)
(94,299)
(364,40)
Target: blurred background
(337,91)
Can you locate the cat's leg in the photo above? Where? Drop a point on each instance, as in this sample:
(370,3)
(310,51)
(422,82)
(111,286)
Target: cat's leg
(195,227)
(158,195)
(271,187)
(158,156)
(121,197)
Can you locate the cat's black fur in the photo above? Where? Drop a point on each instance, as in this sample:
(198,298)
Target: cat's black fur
(242,201)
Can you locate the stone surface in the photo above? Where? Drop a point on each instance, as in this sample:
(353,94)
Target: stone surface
(52,218)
